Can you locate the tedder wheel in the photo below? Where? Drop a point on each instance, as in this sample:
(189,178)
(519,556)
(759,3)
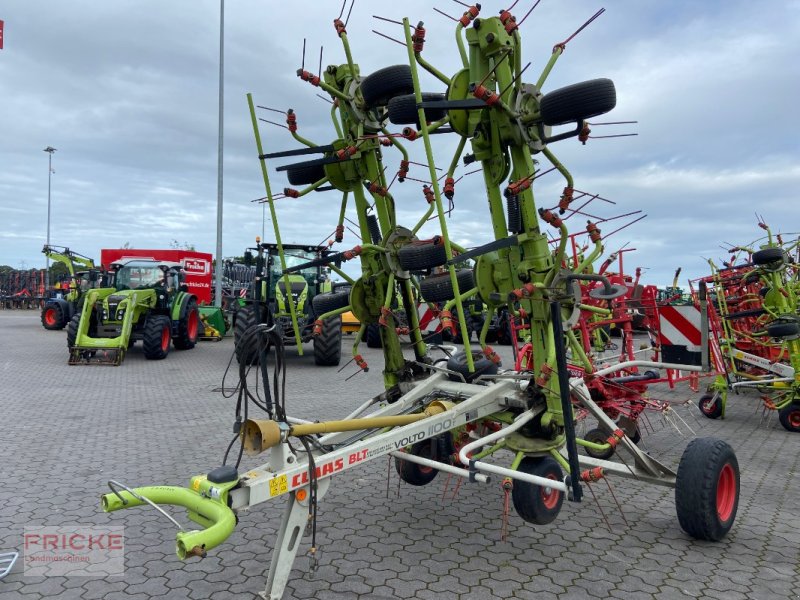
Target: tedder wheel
(373,336)
(483,366)
(710,405)
(305,174)
(53,316)
(156,337)
(768,256)
(790,417)
(246,317)
(597,436)
(384,84)
(329,301)
(707,489)
(420,257)
(328,344)
(438,288)
(188,327)
(783,330)
(578,101)
(415,474)
(403,109)
(534,503)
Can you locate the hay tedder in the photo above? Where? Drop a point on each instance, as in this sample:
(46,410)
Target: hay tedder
(454,414)
(756,328)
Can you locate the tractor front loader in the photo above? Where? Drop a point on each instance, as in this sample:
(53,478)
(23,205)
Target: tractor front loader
(83,275)
(292,303)
(148,302)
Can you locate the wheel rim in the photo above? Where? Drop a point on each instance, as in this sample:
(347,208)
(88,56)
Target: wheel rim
(794,419)
(165,339)
(708,405)
(192,325)
(50,316)
(726,492)
(426,453)
(550,496)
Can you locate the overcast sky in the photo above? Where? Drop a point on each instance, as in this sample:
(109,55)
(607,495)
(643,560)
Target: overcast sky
(127,91)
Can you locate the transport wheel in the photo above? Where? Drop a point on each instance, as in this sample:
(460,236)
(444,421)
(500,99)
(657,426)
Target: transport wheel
(789,417)
(534,503)
(707,489)
(597,436)
(438,288)
(53,317)
(415,474)
(156,337)
(710,405)
(384,84)
(328,344)
(420,257)
(483,366)
(188,327)
(373,336)
(578,101)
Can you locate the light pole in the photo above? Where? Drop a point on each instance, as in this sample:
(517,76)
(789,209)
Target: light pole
(49,151)
(218,274)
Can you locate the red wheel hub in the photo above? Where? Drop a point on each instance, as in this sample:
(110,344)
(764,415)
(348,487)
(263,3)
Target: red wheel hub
(50,316)
(726,493)
(165,339)
(794,419)
(550,496)
(191,325)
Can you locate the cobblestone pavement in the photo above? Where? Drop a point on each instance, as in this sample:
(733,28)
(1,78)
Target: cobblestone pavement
(67,430)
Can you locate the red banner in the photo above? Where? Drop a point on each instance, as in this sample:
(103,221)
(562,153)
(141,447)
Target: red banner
(1,34)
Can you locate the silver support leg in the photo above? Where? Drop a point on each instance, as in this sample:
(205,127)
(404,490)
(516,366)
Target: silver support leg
(293,524)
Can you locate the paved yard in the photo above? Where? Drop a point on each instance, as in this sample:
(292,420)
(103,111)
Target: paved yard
(66,430)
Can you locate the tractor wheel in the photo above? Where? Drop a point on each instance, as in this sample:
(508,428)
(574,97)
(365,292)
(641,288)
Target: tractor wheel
(53,316)
(767,256)
(156,337)
(246,317)
(707,489)
(534,503)
(789,417)
(373,336)
(458,363)
(598,436)
(710,405)
(384,84)
(72,330)
(328,344)
(305,174)
(783,330)
(403,109)
(188,327)
(578,102)
(329,301)
(415,474)
(438,288)
(420,257)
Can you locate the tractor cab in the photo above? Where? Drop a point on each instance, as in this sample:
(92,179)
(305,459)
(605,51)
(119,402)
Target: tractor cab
(303,284)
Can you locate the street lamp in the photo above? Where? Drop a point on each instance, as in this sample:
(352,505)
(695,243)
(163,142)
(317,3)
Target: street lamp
(50,151)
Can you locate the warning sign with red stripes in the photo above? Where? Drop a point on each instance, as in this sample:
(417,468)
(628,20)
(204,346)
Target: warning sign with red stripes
(680,326)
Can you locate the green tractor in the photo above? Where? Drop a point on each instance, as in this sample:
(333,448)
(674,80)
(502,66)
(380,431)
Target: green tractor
(59,310)
(293,303)
(148,302)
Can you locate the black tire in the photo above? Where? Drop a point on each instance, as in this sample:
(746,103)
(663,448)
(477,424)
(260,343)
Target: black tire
(768,256)
(783,330)
(534,503)
(328,344)
(505,335)
(329,301)
(188,327)
(384,84)
(374,229)
(421,257)
(598,436)
(305,174)
(156,337)
(415,474)
(578,101)
(403,109)
(483,366)
(789,416)
(710,405)
(438,288)
(373,336)
(246,317)
(72,330)
(707,489)
(53,317)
